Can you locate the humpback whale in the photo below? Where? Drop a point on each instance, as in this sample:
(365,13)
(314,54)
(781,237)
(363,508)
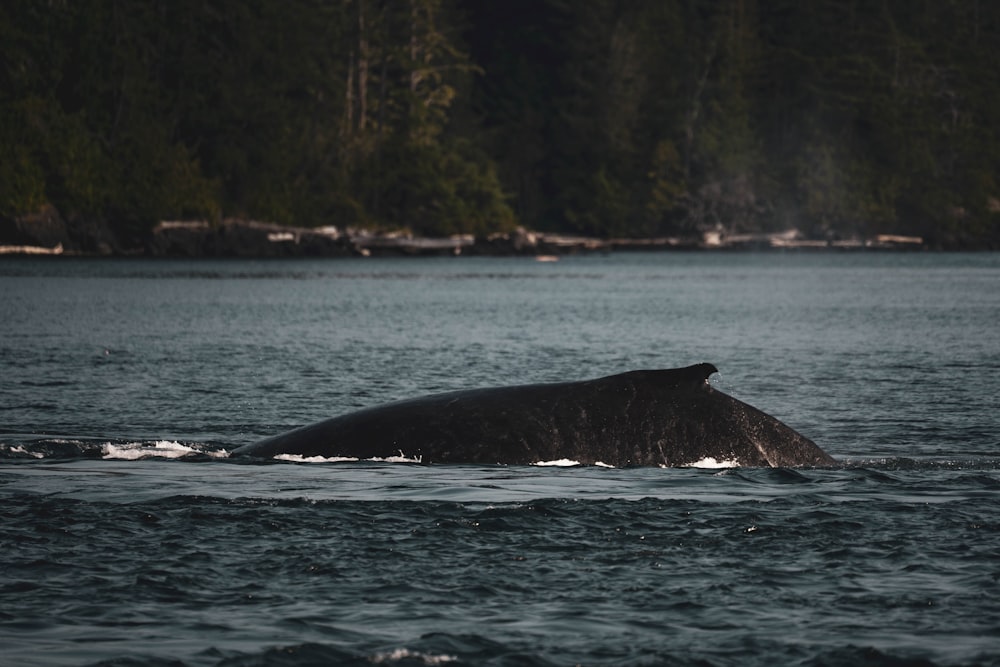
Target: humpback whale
(669,417)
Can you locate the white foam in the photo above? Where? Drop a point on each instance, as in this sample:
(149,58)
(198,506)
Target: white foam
(402,458)
(166,449)
(17,449)
(602,464)
(561,463)
(403,653)
(298,458)
(711,462)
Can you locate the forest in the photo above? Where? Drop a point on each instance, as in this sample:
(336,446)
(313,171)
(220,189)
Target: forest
(609,118)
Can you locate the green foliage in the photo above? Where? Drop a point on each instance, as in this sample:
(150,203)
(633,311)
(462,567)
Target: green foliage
(840,118)
(459,116)
(22,175)
(48,155)
(439,190)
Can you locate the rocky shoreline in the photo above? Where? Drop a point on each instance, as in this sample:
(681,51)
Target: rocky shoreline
(47,233)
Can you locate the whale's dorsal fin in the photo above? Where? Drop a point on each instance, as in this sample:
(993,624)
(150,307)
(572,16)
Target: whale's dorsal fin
(691,376)
(696,375)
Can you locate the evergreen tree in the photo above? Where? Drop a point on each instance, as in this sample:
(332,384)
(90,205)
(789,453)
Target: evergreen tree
(839,117)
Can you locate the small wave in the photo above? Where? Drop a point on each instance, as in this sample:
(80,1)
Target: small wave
(298,458)
(321,654)
(406,654)
(557,463)
(50,448)
(902,463)
(18,450)
(165,449)
(126,450)
(712,462)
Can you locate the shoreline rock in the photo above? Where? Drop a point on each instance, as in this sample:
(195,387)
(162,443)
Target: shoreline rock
(242,238)
(46,230)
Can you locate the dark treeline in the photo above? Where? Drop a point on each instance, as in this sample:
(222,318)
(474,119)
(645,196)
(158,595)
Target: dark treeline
(601,117)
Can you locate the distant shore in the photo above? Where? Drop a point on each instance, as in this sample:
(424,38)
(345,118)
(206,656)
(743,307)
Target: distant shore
(47,234)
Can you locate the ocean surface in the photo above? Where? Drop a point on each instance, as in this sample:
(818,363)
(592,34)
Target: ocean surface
(129,538)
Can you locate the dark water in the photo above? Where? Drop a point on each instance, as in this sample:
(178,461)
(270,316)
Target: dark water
(129,539)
